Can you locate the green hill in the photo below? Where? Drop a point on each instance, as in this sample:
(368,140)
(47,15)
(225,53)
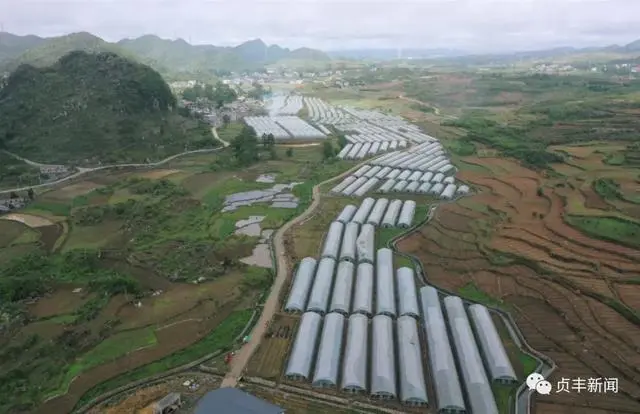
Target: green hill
(184,57)
(12,45)
(50,50)
(90,108)
(174,59)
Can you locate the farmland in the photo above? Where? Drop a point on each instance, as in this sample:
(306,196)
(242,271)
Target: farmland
(568,292)
(552,234)
(144,273)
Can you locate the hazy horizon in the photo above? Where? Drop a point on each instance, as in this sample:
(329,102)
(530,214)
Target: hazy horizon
(473,26)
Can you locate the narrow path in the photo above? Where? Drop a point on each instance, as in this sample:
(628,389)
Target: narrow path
(29,162)
(214,131)
(242,357)
(82,171)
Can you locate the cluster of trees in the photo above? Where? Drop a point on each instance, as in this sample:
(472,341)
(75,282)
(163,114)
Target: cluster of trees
(220,94)
(245,147)
(258,91)
(247,150)
(35,274)
(91,108)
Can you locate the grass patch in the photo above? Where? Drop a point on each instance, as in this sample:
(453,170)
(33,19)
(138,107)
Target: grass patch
(612,229)
(502,394)
(218,339)
(402,261)
(215,195)
(63,319)
(471,291)
(529,363)
(107,351)
(91,237)
(230,131)
(57,209)
(607,188)
(122,195)
(616,158)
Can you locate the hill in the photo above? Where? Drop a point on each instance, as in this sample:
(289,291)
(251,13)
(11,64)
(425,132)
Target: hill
(91,108)
(50,50)
(184,57)
(174,59)
(12,45)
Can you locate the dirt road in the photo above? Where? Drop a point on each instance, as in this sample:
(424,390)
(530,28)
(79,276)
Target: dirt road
(82,171)
(242,357)
(214,131)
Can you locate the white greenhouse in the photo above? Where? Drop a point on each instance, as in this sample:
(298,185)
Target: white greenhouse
(301,285)
(304,347)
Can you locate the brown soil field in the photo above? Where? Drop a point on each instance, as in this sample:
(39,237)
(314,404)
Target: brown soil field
(157,174)
(62,302)
(49,235)
(69,192)
(268,361)
(562,287)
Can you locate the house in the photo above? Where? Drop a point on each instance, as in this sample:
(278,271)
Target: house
(53,169)
(234,401)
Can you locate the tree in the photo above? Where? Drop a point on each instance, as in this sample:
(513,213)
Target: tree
(31,194)
(245,146)
(328,151)
(289,152)
(226,119)
(342,140)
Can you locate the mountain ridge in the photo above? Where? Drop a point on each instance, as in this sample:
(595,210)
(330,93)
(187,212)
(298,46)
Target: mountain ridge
(391,54)
(165,55)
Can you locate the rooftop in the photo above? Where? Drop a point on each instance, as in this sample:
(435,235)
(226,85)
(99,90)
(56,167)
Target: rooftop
(234,401)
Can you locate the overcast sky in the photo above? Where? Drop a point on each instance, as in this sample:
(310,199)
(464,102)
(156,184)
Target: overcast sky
(472,25)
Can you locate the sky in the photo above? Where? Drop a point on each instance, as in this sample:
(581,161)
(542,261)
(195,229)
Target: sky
(468,25)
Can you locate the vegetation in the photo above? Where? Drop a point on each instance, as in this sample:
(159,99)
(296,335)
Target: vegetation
(16,173)
(607,188)
(90,108)
(613,229)
(175,59)
(220,93)
(509,140)
(35,274)
(521,114)
(220,339)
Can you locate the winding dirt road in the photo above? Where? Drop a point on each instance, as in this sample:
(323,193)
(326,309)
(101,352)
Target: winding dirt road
(84,170)
(242,357)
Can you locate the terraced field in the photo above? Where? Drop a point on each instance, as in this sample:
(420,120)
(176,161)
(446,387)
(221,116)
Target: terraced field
(575,297)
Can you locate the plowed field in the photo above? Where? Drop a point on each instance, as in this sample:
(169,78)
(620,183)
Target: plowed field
(576,298)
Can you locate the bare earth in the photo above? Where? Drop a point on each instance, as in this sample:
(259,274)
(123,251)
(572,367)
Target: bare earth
(29,220)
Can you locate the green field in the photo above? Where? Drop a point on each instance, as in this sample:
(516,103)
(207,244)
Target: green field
(218,340)
(124,236)
(608,228)
(109,350)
